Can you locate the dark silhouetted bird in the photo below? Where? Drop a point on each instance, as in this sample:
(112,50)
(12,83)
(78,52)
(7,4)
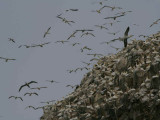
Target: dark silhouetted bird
(31,94)
(125,36)
(114,17)
(27,84)
(52,81)
(11,39)
(47,32)
(83,30)
(15,97)
(72,10)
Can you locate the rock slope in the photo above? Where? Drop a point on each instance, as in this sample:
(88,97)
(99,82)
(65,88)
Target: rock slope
(124,86)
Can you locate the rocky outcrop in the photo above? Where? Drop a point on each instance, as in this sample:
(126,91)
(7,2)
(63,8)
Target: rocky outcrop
(124,86)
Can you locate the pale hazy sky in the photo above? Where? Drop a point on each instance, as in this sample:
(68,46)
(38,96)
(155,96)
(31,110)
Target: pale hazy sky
(26,21)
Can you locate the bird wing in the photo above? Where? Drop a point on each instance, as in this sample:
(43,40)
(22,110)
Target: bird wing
(20,98)
(48,29)
(32,82)
(35,93)
(126,32)
(11,97)
(21,87)
(26,94)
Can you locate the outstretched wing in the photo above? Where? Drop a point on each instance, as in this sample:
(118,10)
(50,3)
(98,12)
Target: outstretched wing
(32,82)
(20,98)
(21,87)
(126,32)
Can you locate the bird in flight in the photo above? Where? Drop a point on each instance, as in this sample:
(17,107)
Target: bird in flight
(6,59)
(27,46)
(72,35)
(12,40)
(101,27)
(27,84)
(15,97)
(114,17)
(38,88)
(72,10)
(47,32)
(122,13)
(70,71)
(34,107)
(48,102)
(85,47)
(83,30)
(87,33)
(114,33)
(31,94)
(99,10)
(96,55)
(156,22)
(62,41)
(111,23)
(124,39)
(113,8)
(41,45)
(75,44)
(52,81)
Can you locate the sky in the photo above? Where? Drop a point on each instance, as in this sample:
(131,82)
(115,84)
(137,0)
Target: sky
(26,22)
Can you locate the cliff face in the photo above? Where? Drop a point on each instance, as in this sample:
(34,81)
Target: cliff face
(124,86)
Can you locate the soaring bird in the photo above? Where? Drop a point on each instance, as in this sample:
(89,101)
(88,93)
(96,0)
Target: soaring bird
(83,30)
(71,10)
(72,86)
(47,32)
(34,107)
(95,54)
(62,41)
(41,45)
(38,88)
(114,17)
(27,84)
(101,27)
(75,44)
(48,102)
(114,33)
(156,22)
(125,36)
(87,33)
(52,81)
(11,39)
(6,59)
(15,97)
(72,35)
(30,94)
